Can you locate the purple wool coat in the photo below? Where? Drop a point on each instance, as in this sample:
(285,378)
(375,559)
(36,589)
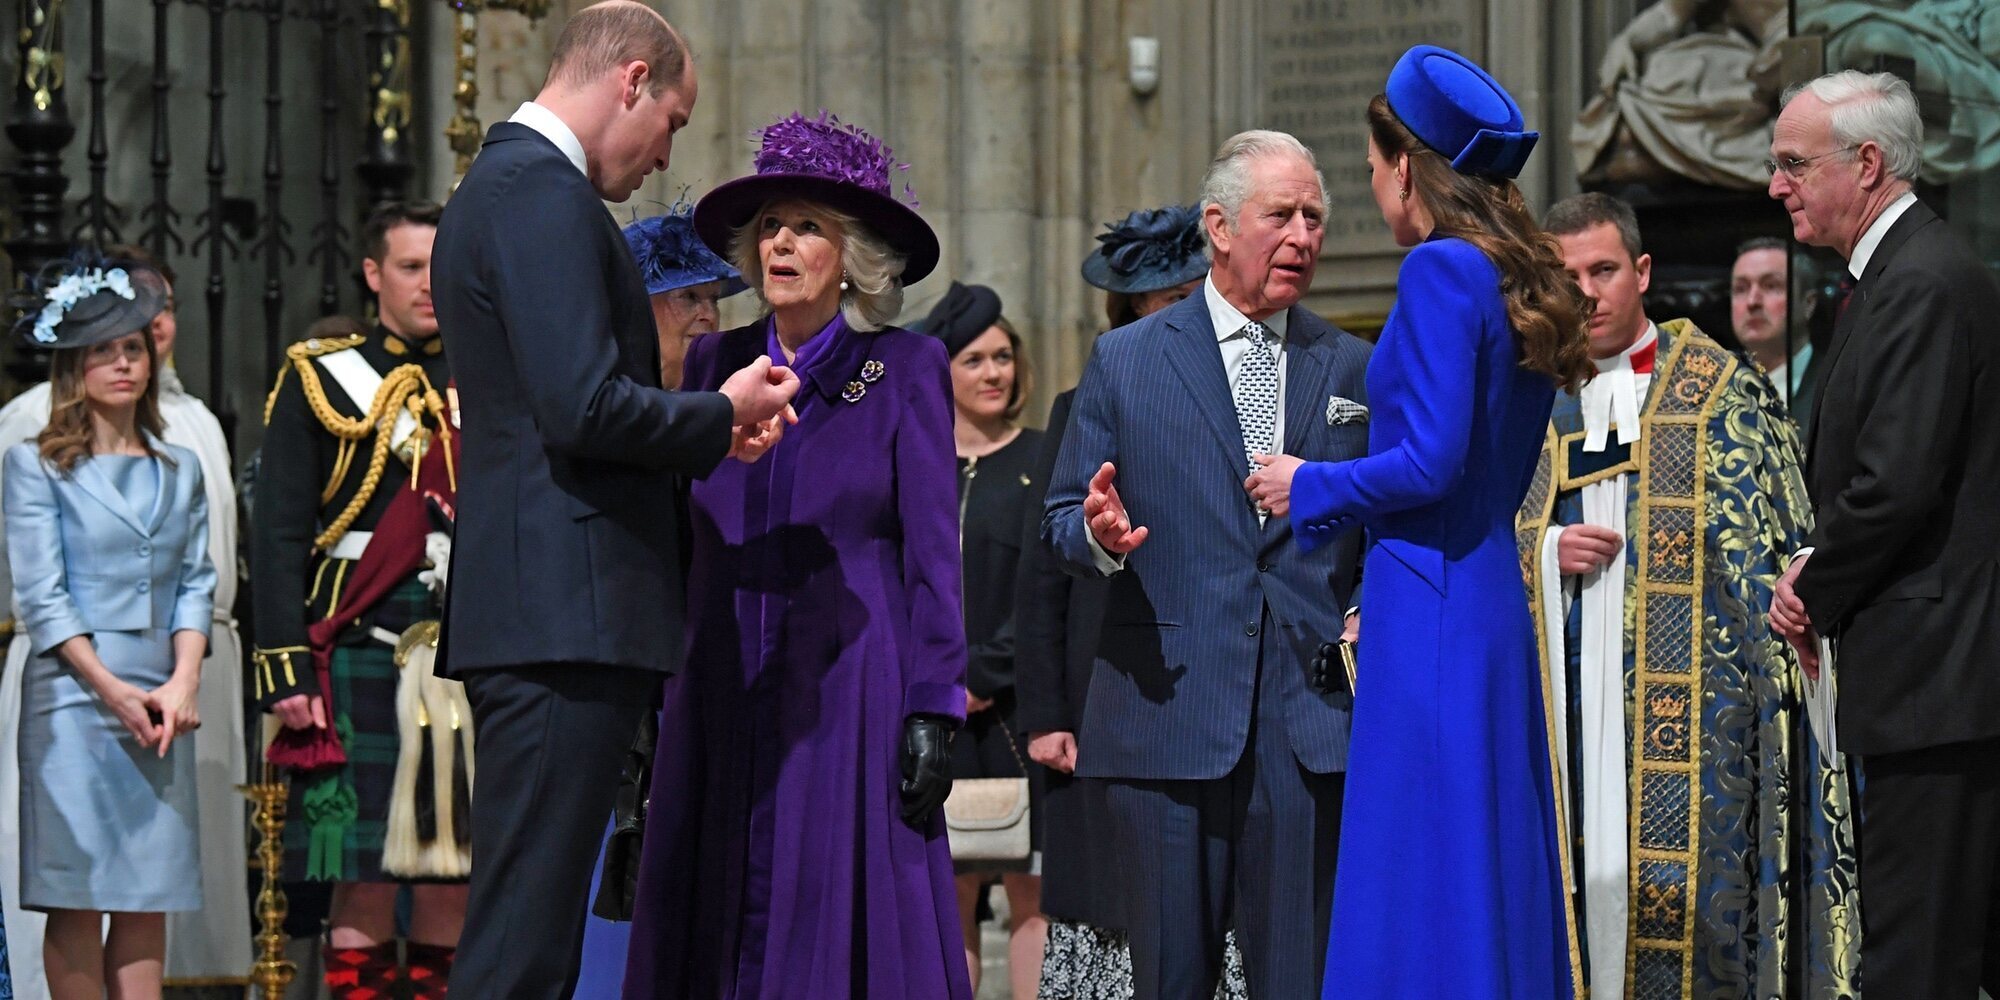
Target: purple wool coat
(823,608)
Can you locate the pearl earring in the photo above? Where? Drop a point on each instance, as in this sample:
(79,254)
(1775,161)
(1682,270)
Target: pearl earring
(843,281)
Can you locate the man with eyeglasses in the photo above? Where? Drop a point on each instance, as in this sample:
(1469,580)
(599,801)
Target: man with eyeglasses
(1900,577)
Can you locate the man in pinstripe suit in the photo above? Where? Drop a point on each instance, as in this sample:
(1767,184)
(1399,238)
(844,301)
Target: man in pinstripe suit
(1222,760)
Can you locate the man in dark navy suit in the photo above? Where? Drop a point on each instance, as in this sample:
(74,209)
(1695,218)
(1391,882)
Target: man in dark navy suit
(1222,760)
(564,605)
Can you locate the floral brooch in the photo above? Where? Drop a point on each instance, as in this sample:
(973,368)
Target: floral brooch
(871,372)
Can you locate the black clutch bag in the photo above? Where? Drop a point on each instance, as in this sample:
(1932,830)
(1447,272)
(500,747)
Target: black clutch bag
(1333,667)
(619,887)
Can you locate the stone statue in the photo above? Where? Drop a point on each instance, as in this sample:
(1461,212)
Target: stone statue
(1688,89)
(1955,46)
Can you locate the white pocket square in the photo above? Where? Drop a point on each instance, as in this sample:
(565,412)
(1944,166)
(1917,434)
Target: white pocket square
(1341,410)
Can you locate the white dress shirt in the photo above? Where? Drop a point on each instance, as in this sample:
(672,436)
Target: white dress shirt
(1776,373)
(1871,238)
(554,130)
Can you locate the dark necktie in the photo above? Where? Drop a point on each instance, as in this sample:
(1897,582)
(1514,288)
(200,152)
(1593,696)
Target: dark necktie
(1843,294)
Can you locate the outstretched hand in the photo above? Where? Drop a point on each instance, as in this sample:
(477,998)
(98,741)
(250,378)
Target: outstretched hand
(1105,512)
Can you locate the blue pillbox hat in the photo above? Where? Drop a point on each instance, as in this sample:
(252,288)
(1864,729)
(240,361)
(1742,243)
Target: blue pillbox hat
(1460,111)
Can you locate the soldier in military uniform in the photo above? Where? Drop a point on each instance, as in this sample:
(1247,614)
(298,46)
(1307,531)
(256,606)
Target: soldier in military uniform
(327,476)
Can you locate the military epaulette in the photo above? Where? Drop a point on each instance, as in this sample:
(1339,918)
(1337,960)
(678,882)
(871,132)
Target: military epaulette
(313,347)
(298,355)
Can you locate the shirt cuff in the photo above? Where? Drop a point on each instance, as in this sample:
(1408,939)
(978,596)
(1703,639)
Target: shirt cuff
(1107,564)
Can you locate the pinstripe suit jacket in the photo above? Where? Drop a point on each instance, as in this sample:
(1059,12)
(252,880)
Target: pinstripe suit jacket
(1174,689)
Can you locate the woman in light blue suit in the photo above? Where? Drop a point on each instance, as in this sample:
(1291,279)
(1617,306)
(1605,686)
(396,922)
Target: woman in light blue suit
(107,533)
(1450,883)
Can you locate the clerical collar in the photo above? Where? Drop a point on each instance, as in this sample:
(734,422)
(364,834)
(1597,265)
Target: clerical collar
(429,347)
(1638,357)
(1613,397)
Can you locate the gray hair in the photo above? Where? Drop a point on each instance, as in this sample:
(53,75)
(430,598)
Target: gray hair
(1227,183)
(873,270)
(1871,107)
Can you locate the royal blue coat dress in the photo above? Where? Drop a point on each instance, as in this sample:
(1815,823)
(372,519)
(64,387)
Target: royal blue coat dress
(1449,882)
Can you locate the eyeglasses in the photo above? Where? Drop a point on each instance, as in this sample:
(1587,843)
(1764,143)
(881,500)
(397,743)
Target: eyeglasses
(1795,166)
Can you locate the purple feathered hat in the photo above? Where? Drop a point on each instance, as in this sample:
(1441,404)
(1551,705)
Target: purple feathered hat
(840,166)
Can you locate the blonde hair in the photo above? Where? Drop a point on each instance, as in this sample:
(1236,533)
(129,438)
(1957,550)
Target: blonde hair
(874,270)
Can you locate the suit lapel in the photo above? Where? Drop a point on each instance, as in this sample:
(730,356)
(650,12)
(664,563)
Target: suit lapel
(1305,378)
(167,478)
(92,480)
(1914,218)
(1191,351)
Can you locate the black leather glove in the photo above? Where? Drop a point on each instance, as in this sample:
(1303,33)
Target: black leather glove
(1329,673)
(926,766)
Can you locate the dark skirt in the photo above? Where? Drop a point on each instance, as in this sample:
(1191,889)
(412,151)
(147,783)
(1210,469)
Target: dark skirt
(336,818)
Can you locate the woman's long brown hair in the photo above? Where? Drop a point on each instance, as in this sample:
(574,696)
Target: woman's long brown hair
(1548,311)
(66,440)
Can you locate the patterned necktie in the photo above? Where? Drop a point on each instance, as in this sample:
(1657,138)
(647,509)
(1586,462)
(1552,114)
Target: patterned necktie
(1257,394)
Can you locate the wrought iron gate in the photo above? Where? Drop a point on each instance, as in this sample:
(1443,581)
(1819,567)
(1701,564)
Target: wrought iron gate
(242,151)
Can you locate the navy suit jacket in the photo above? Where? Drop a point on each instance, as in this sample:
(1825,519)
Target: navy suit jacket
(1173,691)
(567,545)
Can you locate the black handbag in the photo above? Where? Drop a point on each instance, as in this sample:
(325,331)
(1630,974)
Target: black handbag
(619,887)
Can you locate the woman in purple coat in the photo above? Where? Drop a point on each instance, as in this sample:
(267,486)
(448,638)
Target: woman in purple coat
(794,846)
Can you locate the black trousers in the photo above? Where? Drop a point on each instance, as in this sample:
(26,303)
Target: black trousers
(1930,871)
(550,740)
(1253,849)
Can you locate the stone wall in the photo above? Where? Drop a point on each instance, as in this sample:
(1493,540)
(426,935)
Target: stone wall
(1024,133)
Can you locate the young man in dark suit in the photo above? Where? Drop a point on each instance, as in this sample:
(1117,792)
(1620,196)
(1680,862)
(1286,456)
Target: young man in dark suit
(564,604)
(1901,571)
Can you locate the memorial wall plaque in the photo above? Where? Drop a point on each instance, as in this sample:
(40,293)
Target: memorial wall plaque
(1320,61)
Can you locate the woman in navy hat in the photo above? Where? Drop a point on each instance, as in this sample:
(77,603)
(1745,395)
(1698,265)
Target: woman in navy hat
(686,281)
(794,843)
(107,534)
(1147,261)
(1450,881)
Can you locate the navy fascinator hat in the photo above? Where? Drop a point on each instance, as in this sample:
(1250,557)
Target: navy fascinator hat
(1460,111)
(1151,249)
(671,255)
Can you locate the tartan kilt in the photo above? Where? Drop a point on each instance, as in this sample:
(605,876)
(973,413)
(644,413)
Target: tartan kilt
(336,818)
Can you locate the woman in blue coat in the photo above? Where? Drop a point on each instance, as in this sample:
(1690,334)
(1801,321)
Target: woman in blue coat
(107,531)
(1450,883)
